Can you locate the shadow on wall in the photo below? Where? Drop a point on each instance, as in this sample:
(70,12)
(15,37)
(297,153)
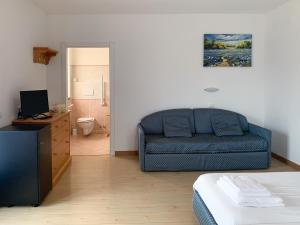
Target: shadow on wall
(280,143)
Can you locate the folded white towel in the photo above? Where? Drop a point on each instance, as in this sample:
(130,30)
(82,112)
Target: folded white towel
(235,184)
(244,184)
(263,198)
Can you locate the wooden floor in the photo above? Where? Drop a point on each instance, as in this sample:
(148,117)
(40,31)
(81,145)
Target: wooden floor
(98,190)
(94,144)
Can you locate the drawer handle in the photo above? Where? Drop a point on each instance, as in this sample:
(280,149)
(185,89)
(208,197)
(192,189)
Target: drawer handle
(68,142)
(66,153)
(54,153)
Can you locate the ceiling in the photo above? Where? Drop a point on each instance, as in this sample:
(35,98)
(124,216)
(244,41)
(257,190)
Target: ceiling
(157,6)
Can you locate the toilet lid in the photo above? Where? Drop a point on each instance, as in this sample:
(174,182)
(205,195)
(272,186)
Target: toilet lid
(85,119)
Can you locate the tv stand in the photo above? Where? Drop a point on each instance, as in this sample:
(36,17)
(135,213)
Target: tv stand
(60,140)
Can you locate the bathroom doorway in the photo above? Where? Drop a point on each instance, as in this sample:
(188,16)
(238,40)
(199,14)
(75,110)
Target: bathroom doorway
(88,98)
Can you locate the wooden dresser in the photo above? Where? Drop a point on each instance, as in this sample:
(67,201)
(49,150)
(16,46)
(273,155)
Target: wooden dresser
(60,141)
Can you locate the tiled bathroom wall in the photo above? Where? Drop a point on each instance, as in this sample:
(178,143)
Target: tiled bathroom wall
(90,95)
(91,108)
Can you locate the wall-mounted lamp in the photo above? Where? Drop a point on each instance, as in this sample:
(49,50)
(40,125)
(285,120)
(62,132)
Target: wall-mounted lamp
(211,89)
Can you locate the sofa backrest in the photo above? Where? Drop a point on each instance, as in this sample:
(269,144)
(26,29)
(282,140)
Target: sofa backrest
(199,119)
(153,123)
(203,122)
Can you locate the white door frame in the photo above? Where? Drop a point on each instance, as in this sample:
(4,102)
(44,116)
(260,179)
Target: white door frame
(110,45)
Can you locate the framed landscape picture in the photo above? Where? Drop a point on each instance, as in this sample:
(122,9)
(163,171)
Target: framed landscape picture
(227,50)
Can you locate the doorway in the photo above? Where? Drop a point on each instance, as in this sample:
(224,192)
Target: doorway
(88,99)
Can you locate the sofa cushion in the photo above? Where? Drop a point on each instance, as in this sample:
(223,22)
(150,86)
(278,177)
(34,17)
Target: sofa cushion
(176,126)
(226,125)
(205,143)
(153,123)
(203,123)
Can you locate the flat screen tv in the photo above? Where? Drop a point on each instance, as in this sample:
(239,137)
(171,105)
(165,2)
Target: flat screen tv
(34,103)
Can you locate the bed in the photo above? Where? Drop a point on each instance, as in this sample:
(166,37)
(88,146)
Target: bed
(213,207)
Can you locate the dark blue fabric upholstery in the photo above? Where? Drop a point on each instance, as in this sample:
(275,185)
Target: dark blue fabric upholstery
(153,124)
(202,213)
(266,134)
(177,126)
(225,124)
(141,145)
(158,153)
(206,162)
(205,143)
(203,121)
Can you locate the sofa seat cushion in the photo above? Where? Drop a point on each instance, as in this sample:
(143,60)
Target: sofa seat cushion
(205,144)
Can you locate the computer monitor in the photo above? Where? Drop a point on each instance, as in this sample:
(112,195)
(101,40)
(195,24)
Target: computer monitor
(34,103)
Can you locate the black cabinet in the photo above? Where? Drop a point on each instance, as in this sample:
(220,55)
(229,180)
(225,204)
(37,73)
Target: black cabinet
(25,165)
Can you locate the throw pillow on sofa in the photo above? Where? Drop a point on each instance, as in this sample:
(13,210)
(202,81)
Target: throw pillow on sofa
(226,125)
(177,126)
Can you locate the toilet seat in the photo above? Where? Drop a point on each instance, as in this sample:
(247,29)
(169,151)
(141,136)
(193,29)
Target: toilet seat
(87,124)
(85,119)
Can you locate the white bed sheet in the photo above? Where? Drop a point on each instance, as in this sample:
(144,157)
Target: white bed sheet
(283,184)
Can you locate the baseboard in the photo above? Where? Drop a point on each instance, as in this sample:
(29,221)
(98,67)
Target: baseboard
(286,161)
(126,153)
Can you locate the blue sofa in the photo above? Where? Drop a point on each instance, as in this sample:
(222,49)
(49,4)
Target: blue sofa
(203,151)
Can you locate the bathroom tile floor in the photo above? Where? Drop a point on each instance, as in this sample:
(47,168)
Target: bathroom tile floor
(94,144)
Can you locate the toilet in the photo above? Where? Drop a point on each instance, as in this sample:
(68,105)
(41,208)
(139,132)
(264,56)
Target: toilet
(87,124)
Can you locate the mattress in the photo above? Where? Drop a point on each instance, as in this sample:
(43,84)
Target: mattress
(284,184)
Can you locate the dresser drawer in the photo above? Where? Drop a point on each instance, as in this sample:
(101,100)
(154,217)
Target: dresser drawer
(56,126)
(57,162)
(60,143)
(60,138)
(56,129)
(61,147)
(60,124)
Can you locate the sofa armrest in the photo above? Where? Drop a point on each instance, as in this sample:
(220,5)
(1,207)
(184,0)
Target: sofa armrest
(264,133)
(141,146)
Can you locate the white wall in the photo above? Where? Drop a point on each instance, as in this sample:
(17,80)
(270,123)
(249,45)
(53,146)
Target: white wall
(282,113)
(158,64)
(22,27)
(89,56)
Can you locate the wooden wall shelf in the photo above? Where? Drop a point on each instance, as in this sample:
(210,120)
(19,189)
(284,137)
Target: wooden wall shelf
(43,55)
